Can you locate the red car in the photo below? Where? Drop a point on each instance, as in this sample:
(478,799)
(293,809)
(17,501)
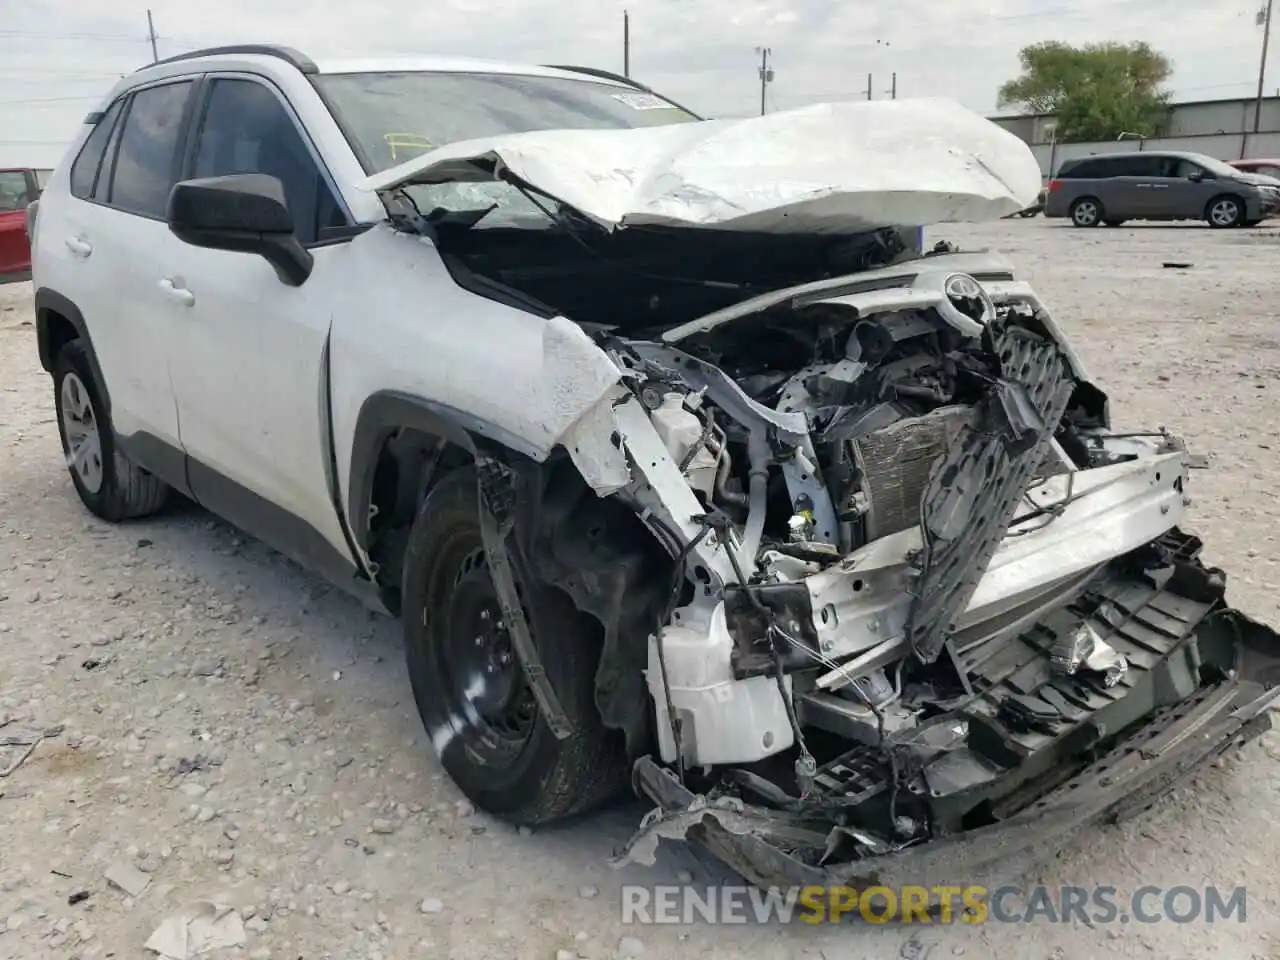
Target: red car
(1266,167)
(18,188)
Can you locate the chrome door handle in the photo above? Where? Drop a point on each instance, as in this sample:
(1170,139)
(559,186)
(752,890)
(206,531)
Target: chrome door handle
(175,291)
(78,247)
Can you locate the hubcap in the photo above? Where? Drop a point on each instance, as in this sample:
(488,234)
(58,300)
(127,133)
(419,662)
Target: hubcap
(1224,212)
(480,661)
(83,439)
(1086,213)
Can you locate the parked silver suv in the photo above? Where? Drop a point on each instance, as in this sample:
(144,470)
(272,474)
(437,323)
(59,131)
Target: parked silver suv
(1117,187)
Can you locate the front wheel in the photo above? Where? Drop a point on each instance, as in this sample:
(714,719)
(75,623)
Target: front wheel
(469,685)
(1224,212)
(111,485)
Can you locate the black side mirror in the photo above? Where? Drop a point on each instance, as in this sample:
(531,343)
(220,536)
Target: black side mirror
(245,213)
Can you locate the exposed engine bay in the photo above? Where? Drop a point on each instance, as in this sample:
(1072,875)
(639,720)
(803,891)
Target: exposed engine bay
(920,588)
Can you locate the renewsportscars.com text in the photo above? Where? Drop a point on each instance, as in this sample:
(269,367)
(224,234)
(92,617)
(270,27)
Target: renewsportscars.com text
(932,905)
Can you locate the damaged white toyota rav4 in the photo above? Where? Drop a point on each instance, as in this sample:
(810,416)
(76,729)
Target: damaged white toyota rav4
(680,460)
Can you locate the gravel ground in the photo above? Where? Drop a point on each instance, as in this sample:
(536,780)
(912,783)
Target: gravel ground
(317,808)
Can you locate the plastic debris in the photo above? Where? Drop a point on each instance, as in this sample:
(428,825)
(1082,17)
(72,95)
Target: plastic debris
(1109,662)
(128,878)
(200,928)
(1072,649)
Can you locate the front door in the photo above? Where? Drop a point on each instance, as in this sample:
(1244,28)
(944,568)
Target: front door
(250,366)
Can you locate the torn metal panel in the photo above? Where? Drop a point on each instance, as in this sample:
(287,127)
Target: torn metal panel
(595,446)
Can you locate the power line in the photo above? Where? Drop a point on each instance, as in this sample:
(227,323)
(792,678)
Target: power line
(24,102)
(34,35)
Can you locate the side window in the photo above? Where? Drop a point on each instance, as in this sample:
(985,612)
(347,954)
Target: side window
(1083,170)
(247,129)
(145,162)
(1186,169)
(1140,166)
(13,190)
(85,169)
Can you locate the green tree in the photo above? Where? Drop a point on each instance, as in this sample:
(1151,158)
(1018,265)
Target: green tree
(1097,92)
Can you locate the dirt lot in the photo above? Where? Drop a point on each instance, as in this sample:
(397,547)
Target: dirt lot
(317,808)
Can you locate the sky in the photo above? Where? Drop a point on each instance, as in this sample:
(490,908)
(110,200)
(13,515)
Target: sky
(59,57)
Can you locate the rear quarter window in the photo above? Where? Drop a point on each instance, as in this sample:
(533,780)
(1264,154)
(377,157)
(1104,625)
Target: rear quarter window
(84,171)
(1079,170)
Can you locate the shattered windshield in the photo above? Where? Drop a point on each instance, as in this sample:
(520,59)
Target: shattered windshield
(394,117)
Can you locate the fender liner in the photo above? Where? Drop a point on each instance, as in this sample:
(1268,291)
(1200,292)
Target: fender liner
(50,301)
(386,411)
(383,413)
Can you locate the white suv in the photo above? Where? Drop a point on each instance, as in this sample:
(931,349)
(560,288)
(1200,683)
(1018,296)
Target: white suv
(662,436)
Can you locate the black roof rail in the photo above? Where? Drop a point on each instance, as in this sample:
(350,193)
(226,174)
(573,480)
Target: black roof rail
(291,56)
(597,72)
(619,78)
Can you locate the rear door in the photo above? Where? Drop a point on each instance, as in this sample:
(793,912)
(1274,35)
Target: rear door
(1140,186)
(114,234)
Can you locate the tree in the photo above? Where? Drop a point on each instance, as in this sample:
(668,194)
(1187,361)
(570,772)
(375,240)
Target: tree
(1097,92)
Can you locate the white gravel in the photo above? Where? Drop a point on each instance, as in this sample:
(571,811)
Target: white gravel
(310,800)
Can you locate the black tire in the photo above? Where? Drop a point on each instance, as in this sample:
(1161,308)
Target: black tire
(111,485)
(1224,212)
(506,761)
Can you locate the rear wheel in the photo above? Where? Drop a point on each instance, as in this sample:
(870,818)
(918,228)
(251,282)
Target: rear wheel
(470,687)
(1087,212)
(111,485)
(1224,212)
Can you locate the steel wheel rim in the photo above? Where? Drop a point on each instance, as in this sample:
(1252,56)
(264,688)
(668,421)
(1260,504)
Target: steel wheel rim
(83,439)
(1224,212)
(1087,213)
(487,695)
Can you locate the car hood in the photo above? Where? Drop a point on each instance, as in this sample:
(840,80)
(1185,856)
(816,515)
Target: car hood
(1257,179)
(828,168)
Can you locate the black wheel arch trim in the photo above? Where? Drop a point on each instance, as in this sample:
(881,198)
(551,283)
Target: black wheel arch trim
(50,301)
(383,413)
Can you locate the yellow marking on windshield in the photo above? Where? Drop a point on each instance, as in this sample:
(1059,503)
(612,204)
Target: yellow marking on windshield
(406,141)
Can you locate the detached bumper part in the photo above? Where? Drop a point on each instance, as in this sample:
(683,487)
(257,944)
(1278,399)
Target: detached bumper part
(771,847)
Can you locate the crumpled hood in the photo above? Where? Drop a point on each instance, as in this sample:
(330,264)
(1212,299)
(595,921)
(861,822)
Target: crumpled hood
(1257,179)
(829,168)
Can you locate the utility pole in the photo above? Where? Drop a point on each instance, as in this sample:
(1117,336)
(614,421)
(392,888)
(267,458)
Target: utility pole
(1264,21)
(893,87)
(151,35)
(766,74)
(870,89)
(626,44)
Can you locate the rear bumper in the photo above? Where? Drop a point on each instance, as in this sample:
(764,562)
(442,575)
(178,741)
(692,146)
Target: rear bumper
(1136,771)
